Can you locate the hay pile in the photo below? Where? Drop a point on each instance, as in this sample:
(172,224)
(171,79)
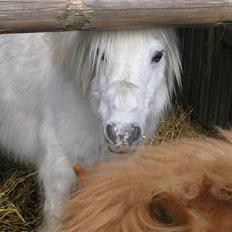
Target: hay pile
(19,198)
(178,124)
(20,202)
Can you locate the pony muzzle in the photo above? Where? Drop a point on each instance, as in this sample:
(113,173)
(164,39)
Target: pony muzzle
(121,139)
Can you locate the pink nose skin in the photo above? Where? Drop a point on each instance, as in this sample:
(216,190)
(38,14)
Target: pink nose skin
(120,139)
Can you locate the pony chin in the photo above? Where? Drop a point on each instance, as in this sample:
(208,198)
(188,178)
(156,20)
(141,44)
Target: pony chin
(126,149)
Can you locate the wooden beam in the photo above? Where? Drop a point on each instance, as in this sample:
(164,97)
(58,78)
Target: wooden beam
(56,15)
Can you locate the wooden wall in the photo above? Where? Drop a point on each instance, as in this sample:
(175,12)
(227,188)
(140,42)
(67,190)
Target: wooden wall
(207,77)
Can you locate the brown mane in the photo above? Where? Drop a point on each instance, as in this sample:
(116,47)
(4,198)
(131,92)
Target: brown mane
(185,186)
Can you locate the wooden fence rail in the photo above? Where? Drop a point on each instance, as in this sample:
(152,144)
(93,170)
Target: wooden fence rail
(55,15)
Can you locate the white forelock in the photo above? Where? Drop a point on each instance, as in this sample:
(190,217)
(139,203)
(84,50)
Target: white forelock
(84,61)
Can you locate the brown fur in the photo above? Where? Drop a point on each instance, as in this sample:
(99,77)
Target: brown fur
(185,186)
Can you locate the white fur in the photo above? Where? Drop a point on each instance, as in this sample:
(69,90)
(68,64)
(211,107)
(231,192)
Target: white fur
(56,96)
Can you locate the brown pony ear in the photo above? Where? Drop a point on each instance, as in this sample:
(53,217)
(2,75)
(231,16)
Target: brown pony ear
(169,211)
(79,170)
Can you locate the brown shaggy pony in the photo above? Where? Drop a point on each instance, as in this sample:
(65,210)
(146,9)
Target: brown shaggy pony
(185,186)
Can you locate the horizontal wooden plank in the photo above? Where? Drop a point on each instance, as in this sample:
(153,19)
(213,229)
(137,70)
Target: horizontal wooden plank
(156,4)
(55,15)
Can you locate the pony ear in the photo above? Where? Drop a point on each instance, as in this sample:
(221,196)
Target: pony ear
(222,193)
(169,211)
(79,170)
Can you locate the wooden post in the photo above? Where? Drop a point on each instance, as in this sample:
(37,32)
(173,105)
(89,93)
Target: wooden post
(55,15)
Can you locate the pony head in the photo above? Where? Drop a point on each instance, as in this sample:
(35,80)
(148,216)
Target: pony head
(128,77)
(185,187)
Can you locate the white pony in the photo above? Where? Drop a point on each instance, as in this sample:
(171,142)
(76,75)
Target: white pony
(64,96)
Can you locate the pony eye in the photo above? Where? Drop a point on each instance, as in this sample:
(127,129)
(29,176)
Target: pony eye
(157,57)
(167,210)
(161,212)
(103,56)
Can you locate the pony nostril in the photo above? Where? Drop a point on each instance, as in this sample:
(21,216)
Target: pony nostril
(110,135)
(136,134)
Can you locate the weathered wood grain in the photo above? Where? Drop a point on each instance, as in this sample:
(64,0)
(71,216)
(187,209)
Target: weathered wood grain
(55,15)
